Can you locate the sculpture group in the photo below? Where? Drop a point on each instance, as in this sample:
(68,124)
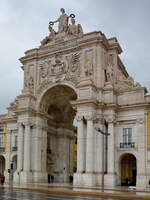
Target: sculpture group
(63,27)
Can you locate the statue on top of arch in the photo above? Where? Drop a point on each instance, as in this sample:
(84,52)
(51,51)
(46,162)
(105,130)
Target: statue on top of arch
(64,27)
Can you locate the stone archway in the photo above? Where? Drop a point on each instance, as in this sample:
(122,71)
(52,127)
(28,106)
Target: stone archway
(14,162)
(60,131)
(128,169)
(2,164)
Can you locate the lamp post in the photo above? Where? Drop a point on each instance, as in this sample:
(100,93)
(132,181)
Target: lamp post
(103,134)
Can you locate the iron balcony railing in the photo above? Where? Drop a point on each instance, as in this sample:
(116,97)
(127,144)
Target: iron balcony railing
(127,145)
(2,149)
(14,148)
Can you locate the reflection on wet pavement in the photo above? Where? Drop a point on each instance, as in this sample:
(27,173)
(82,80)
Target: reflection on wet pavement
(14,194)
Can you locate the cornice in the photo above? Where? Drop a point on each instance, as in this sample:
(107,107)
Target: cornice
(131,90)
(84,102)
(86,40)
(9,119)
(132,106)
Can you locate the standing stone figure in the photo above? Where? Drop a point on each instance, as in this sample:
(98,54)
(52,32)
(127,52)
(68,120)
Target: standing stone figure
(75,30)
(63,21)
(47,39)
(110,73)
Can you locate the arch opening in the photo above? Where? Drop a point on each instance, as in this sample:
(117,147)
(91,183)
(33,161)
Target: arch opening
(14,163)
(2,164)
(60,133)
(128,170)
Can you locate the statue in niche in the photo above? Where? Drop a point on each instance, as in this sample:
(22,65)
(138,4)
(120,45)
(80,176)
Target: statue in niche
(109,73)
(88,66)
(28,82)
(63,21)
(75,30)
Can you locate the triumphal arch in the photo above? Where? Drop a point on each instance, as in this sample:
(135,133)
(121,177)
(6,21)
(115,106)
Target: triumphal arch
(77,79)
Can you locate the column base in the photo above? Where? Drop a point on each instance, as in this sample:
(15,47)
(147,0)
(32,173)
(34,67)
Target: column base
(25,177)
(84,179)
(16,177)
(7,176)
(141,181)
(110,180)
(40,177)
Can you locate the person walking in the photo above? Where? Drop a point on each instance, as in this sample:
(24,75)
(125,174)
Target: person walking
(2,178)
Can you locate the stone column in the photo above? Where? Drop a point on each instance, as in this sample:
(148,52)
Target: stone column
(98,150)
(111,148)
(110,177)
(20,153)
(8,151)
(44,149)
(142,146)
(27,145)
(78,177)
(90,145)
(20,147)
(81,145)
(38,148)
(89,177)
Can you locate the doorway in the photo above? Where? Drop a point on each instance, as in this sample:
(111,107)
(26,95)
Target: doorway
(128,170)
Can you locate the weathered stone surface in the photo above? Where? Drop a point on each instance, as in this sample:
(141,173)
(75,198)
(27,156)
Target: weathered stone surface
(76,74)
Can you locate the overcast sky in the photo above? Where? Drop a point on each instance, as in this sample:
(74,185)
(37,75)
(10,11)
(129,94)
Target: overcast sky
(23,24)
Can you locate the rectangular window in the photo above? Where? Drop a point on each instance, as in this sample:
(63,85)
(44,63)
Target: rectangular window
(127,135)
(75,153)
(1,140)
(16,140)
(2,128)
(76,140)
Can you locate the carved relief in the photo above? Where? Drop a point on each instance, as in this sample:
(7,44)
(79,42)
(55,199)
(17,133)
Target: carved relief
(123,83)
(59,68)
(73,72)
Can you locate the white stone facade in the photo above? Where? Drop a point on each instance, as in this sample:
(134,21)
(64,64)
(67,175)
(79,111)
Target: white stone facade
(75,74)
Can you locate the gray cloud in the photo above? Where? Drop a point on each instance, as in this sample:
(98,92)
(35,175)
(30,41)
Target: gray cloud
(24,24)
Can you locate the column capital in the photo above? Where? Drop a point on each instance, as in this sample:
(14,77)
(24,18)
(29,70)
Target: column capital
(140,120)
(90,116)
(110,119)
(20,124)
(79,117)
(28,124)
(9,131)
